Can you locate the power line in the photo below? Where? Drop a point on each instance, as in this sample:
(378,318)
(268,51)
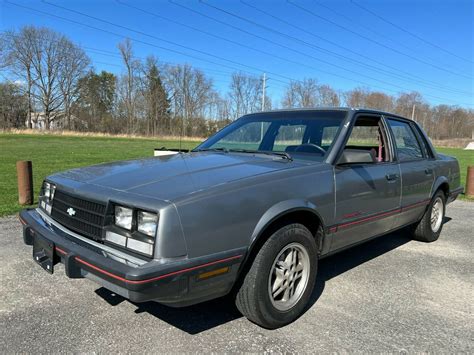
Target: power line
(373,13)
(302,8)
(369,29)
(272,55)
(294,50)
(222,74)
(267,53)
(174,43)
(408,76)
(218,37)
(158,46)
(116,55)
(152,44)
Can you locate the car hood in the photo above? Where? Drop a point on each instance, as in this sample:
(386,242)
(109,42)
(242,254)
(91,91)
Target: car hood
(169,177)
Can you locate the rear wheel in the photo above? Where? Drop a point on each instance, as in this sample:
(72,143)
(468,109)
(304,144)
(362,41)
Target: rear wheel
(430,226)
(279,283)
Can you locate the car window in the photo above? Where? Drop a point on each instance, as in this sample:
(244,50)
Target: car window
(248,136)
(302,135)
(424,144)
(289,135)
(364,136)
(368,134)
(406,143)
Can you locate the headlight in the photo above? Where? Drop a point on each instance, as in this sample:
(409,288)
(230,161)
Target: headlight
(47,196)
(142,227)
(47,190)
(123,217)
(147,223)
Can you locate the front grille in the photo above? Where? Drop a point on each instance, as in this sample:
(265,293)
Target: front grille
(88,219)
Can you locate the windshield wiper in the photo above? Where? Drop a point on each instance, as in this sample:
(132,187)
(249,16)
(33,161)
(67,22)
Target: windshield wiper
(284,155)
(220,149)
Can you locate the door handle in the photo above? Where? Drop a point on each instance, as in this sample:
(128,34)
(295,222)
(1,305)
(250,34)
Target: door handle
(391,177)
(428,171)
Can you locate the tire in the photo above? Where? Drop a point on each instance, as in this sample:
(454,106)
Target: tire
(286,263)
(425,230)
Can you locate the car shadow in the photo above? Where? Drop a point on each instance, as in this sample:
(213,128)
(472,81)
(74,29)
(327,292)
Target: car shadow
(208,315)
(337,264)
(192,319)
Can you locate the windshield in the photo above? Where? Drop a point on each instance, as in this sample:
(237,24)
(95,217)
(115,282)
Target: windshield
(294,134)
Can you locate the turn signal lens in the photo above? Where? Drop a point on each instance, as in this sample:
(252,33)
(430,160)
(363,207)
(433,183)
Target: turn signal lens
(115,238)
(140,246)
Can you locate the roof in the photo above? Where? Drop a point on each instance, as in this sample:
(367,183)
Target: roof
(353,109)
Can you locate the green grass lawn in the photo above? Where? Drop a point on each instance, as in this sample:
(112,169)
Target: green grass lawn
(465,158)
(51,153)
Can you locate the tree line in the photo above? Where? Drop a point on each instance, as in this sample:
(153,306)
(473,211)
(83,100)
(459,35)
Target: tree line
(49,82)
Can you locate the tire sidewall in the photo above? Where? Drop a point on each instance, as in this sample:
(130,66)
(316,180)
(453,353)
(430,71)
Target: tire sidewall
(274,245)
(440,195)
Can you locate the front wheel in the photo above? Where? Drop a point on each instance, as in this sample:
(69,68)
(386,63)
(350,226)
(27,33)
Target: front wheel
(430,226)
(277,288)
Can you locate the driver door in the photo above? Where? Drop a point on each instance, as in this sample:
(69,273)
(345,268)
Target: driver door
(367,194)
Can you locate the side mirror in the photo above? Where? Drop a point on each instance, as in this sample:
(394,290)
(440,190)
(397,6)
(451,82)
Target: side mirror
(356,156)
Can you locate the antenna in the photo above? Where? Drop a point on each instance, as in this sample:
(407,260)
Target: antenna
(263,103)
(185,113)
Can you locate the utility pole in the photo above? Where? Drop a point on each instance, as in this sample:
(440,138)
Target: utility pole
(413,113)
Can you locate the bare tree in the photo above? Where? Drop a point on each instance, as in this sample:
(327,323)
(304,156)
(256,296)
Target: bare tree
(406,101)
(18,52)
(328,96)
(129,84)
(379,101)
(190,93)
(73,67)
(246,94)
(356,97)
(156,101)
(301,94)
(47,62)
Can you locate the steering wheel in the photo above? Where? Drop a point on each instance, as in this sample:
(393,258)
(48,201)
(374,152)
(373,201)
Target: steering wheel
(310,148)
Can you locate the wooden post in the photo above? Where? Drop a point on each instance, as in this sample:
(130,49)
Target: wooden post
(470,181)
(24,171)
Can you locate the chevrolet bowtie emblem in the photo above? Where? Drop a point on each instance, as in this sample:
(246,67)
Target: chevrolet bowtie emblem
(71,211)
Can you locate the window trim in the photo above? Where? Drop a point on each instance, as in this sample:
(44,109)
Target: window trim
(394,142)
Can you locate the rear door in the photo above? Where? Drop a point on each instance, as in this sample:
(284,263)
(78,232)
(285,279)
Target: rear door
(416,167)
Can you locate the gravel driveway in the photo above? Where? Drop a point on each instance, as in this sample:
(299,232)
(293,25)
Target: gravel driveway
(390,294)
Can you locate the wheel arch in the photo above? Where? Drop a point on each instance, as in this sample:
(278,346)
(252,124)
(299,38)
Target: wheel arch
(441,183)
(291,211)
(287,212)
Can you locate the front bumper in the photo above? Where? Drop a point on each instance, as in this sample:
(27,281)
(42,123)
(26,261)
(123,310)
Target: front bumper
(176,283)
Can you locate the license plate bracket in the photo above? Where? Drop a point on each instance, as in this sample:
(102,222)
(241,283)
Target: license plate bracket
(43,253)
